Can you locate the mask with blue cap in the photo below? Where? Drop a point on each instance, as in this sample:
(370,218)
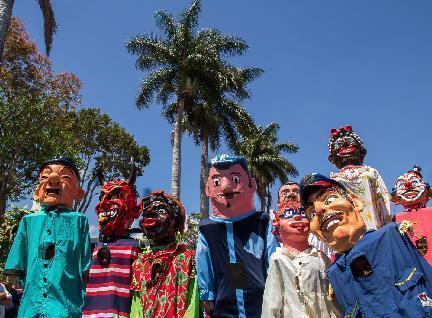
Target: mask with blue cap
(230,186)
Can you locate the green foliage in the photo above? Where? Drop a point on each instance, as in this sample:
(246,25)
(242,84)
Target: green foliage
(190,65)
(103,144)
(265,160)
(39,120)
(190,237)
(8,229)
(34,107)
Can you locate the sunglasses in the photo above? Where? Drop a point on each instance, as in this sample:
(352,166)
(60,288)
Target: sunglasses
(290,213)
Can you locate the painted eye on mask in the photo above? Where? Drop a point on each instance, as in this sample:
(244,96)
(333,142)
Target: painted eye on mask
(330,199)
(311,215)
(236,179)
(216,182)
(289,213)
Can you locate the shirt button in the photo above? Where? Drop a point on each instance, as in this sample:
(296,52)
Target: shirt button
(45,295)
(45,265)
(45,279)
(49,231)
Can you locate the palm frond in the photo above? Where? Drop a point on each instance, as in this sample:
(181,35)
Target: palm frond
(166,22)
(50,25)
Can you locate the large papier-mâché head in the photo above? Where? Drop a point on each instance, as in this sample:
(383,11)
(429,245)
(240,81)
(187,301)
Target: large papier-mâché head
(345,147)
(230,186)
(162,217)
(58,183)
(333,212)
(410,190)
(290,222)
(117,207)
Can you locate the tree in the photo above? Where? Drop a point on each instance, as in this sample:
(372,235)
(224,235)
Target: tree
(50,25)
(8,229)
(264,155)
(191,233)
(39,120)
(34,108)
(186,64)
(208,125)
(103,144)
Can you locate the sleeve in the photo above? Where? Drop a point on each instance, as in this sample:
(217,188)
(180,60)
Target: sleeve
(17,258)
(273,292)
(205,273)
(382,201)
(272,243)
(86,252)
(192,310)
(136,307)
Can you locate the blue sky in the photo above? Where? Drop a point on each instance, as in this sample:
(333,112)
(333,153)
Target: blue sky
(327,63)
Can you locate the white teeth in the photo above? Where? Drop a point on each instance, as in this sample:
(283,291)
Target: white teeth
(331,223)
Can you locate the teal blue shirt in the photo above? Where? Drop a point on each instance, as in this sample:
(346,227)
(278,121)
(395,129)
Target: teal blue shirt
(51,249)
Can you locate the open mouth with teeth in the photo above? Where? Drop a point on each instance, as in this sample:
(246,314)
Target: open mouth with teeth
(411,194)
(108,214)
(229,195)
(330,219)
(52,191)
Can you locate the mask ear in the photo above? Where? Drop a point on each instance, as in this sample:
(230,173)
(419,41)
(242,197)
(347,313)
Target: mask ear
(254,185)
(36,196)
(358,202)
(207,190)
(394,198)
(80,194)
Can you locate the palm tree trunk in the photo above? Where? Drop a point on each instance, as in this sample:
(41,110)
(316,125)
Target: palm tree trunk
(5,15)
(204,201)
(176,154)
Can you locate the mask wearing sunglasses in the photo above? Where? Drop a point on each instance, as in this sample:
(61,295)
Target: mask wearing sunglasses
(290,213)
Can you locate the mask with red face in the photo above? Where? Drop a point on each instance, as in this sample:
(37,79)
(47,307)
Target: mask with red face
(117,208)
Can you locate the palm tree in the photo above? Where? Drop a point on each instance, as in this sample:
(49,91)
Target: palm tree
(186,64)
(207,125)
(50,25)
(264,155)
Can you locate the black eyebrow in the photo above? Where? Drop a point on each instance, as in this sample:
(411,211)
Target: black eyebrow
(235,173)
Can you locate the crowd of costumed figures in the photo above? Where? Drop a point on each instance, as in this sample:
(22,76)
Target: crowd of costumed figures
(331,249)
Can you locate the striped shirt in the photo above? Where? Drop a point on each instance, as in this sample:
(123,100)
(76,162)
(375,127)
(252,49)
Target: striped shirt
(108,294)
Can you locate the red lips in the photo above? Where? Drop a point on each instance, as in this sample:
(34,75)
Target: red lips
(347,150)
(150,222)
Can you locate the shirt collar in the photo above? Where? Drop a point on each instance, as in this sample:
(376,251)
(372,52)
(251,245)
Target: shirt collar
(49,208)
(234,219)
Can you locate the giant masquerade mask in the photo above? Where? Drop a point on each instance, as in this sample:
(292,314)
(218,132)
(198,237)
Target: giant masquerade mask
(162,216)
(117,207)
(230,187)
(345,147)
(290,222)
(410,190)
(58,183)
(334,213)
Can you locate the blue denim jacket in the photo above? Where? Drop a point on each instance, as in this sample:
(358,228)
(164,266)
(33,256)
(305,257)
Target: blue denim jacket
(399,282)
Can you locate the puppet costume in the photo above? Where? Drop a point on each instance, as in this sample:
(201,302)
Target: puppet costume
(108,293)
(108,290)
(376,273)
(347,153)
(297,286)
(232,260)
(164,275)
(163,282)
(52,287)
(400,282)
(413,193)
